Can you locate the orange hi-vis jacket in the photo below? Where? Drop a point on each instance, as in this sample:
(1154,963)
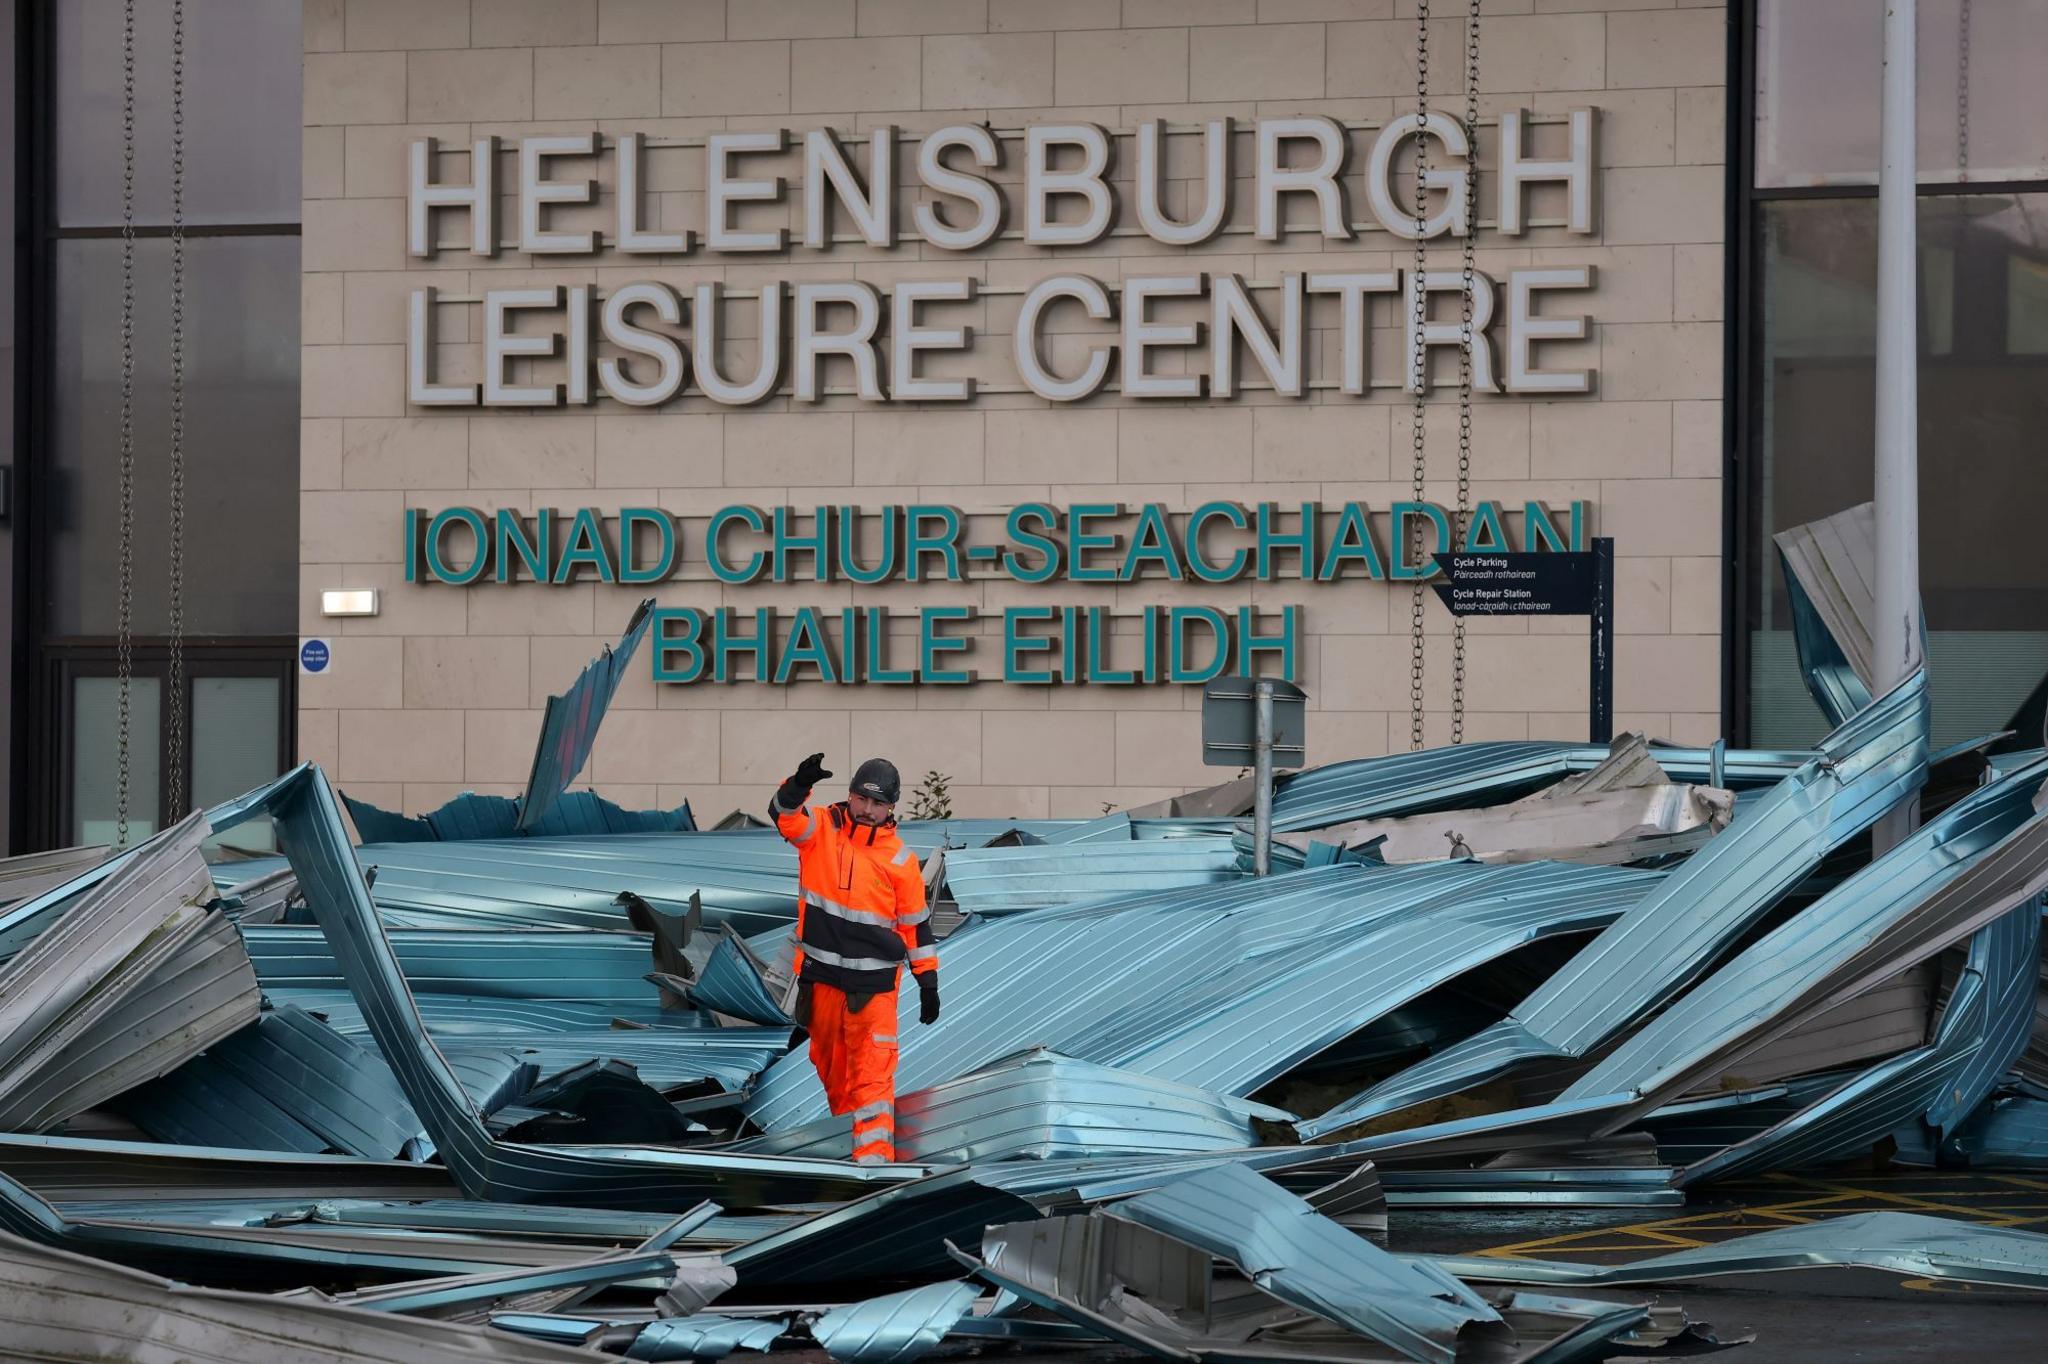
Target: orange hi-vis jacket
(862,909)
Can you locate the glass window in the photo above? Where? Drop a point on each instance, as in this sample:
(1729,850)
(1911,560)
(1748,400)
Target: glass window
(1983,405)
(235,727)
(242,112)
(241,436)
(1982,107)
(95,764)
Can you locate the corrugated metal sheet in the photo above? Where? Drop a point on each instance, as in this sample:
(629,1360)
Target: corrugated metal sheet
(1980,1032)
(568,726)
(1005,880)
(735,982)
(27,875)
(1661,945)
(1042,1105)
(55,1305)
(706,1337)
(587,966)
(130,980)
(1830,577)
(311,833)
(1945,881)
(894,1329)
(1302,1258)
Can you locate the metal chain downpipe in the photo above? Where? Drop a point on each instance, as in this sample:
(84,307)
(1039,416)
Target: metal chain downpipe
(125,609)
(1462,517)
(174,753)
(1419,369)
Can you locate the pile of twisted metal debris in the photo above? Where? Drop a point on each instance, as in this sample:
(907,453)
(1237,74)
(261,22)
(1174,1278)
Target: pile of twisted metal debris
(514,1079)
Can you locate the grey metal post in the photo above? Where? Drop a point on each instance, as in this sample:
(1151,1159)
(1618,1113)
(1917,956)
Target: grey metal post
(1896,650)
(1262,779)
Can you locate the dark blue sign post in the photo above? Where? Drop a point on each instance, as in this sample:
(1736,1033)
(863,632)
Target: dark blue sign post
(1578,583)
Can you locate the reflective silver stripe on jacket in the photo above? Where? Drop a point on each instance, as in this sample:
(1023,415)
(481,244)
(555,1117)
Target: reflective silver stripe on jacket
(776,808)
(870,1159)
(884,1039)
(878,1108)
(902,856)
(847,912)
(847,963)
(924,954)
(912,920)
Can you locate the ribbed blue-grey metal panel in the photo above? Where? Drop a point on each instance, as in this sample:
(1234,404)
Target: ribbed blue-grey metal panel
(1301,1257)
(1945,881)
(594,967)
(1484,774)
(2008,1132)
(895,1329)
(55,1305)
(1984,1014)
(1902,1244)
(705,1337)
(568,727)
(1005,880)
(1829,566)
(1042,1105)
(1276,1012)
(1058,976)
(325,1081)
(732,983)
(1662,944)
(460,1017)
(310,831)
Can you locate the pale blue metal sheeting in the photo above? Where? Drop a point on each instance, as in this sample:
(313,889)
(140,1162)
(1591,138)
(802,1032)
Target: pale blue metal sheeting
(1005,880)
(1042,1105)
(896,1328)
(1983,1028)
(568,727)
(1486,773)
(1909,1245)
(1662,944)
(1301,1257)
(313,837)
(1949,878)
(705,1337)
(732,983)
(591,966)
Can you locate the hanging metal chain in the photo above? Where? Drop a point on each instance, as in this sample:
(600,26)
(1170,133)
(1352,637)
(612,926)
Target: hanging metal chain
(1419,367)
(125,609)
(174,753)
(1465,339)
(1963,97)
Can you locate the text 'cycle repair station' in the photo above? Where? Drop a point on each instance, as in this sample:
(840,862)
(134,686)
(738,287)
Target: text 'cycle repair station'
(630,344)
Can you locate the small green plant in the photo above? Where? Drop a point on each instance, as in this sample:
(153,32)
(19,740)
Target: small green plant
(933,797)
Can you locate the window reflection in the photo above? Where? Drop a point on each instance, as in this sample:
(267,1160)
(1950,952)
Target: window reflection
(1983,106)
(1983,403)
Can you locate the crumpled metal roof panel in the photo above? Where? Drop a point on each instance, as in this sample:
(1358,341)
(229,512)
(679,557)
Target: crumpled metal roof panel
(1005,880)
(896,1328)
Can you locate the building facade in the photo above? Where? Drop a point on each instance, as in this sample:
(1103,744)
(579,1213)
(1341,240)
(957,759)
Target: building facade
(1093,373)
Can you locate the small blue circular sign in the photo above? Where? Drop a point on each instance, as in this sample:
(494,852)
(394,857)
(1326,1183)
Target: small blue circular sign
(313,656)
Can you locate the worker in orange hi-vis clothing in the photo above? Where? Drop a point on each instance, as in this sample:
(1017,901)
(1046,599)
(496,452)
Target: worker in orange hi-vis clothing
(861,915)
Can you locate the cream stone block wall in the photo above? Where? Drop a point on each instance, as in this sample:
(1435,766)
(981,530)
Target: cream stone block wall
(442,690)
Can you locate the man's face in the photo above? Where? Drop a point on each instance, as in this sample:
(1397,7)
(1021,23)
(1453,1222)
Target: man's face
(868,810)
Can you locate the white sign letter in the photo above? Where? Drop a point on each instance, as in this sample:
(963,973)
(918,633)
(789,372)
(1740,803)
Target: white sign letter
(633,237)
(669,364)
(721,191)
(907,338)
(1042,184)
(1525,328)
(1399,219)
(502,344)
(856,343)
(536,191)
(1142,334)
(1576,171)
(931,169)
(873,207)
(1352,289)
(420,388)
(1215,184)
(479,196)
(706,317)
(1232,314)
(1318,178)
(1450,333)
(1036,376)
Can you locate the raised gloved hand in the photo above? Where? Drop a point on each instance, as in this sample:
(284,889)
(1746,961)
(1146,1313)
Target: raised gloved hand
(927,1000)
(797,789)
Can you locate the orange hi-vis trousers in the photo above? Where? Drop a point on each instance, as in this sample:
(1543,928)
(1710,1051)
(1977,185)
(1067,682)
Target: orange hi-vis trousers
(855,1054)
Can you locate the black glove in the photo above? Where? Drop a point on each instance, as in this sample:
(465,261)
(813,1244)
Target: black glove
(927,1000)
(794,792)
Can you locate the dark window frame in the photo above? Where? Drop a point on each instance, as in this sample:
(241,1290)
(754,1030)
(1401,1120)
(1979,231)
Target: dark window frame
(39,815)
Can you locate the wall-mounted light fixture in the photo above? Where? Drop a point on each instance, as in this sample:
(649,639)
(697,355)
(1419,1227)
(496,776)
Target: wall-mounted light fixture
(355,601)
